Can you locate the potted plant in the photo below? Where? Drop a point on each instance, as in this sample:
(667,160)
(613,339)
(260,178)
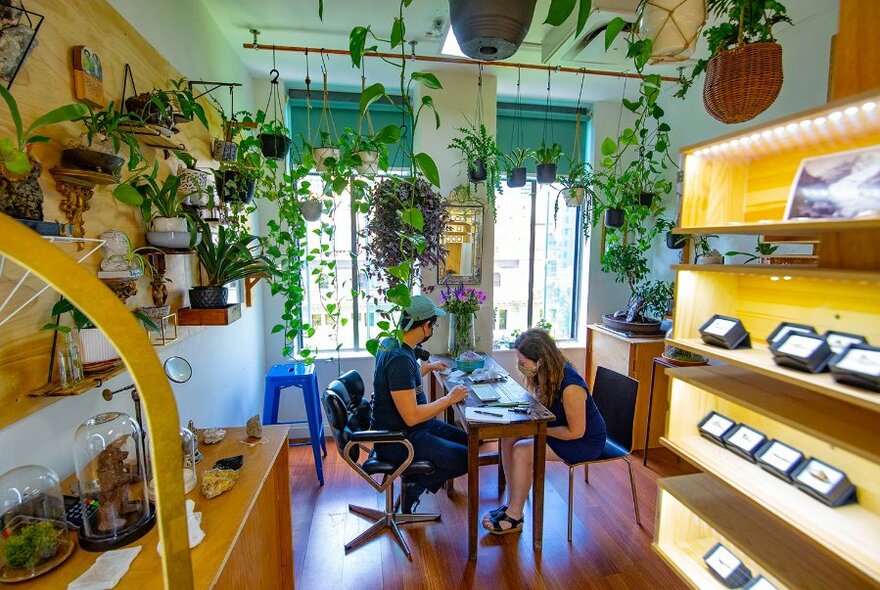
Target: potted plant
(184,106)
(164,108)
(744,67)
(274,137)
(577,184)
(325,154)
(195,185)
(547,157)
(227,259)
(224,150)
(516,166)
(480,155)
(106,130)
(237,180)
(20,193)
(161,205)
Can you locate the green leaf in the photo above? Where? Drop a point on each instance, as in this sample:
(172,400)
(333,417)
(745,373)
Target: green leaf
(632,105)
(13,110)
(128,195)
(321,10)
(388,134)
(584,9)
(356,41)
(373,346)
(608,146)
(426,165)
(371,94)
(427,79)
(38,139)
(277,328)
(664,127)
(429,102)
(613,30)
(414,218)
(17,162)
(401,271)
(559,12)
(59,115)
(399,295)
(383,324)
(398,30)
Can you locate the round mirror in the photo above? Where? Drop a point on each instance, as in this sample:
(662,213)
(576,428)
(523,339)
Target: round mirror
(178,369)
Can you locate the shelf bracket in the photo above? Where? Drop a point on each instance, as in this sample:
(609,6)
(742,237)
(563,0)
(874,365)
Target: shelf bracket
(213,86)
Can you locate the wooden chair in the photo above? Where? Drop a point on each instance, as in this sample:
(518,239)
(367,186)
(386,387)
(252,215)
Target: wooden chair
(615,396)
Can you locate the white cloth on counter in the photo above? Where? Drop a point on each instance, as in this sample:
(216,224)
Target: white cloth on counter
(107,570)
(193,526)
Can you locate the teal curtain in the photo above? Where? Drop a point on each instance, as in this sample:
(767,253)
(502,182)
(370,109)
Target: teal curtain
(560,128)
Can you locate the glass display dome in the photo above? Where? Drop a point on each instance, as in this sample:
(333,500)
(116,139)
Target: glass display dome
(34,535)
(110,466)
(188,446)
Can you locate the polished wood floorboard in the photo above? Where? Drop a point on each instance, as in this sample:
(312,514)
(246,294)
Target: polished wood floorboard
(608,549)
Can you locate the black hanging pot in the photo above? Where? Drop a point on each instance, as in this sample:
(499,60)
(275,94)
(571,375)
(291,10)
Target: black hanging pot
(490,29)
(274,146)
(208,297)
(477,172)
(546,173)
(233,188)
(614,217)
(675,241)
(646,199)
(516,177)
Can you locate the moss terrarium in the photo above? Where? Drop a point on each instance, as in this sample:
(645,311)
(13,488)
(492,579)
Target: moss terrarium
(680,356)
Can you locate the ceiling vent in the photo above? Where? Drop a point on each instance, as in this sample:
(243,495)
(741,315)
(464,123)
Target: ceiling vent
(562,46)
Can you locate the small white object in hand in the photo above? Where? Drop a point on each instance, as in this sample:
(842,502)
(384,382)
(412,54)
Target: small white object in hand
(107,570)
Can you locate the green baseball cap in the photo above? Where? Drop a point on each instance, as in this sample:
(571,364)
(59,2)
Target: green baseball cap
(421,308)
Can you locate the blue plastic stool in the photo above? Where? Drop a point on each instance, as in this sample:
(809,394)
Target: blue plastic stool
(303,376)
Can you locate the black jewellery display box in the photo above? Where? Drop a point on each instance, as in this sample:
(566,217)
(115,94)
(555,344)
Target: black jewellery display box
(727,567)
(744,441)
(760,583)
(838,341)
(725,331)
(779,459)
(804,352)
(823,482)
(715,426)
(859,365)
(784,328)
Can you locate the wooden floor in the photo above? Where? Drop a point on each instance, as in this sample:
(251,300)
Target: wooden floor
(608,549)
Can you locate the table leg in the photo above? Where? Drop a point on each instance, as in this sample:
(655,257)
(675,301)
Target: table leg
(473,491)
(540,449)
(650,410)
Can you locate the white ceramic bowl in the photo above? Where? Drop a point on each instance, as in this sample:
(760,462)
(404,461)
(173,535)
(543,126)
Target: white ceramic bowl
(170,239)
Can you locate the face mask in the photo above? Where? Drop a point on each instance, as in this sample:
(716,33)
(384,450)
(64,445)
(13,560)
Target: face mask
(527,371)
(426,337)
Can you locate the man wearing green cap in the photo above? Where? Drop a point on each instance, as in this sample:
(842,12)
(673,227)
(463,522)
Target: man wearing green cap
(399,404)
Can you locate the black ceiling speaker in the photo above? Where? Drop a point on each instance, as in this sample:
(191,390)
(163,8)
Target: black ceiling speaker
(490,29)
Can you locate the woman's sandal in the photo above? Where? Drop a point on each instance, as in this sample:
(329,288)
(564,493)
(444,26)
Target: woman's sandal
(493,513)
(501,517)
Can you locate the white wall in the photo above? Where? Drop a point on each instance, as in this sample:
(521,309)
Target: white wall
(228,362)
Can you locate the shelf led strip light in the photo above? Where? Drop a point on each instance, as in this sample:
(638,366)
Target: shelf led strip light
(855,114)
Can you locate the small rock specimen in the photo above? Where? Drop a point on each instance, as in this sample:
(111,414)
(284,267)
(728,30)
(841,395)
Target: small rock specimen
(211,436)
(217,481)
(254,427)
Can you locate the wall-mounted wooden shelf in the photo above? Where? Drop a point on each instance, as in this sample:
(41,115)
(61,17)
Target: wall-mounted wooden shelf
(697,512)
(785,271)
(187,316)
(778,227)
(90,382)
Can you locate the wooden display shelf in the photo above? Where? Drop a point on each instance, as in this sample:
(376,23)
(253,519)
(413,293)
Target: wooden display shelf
(785,270)
(760,359)
(790,228)
(830,419)
(91,381)
(691,504)
(851,532)
(187,316)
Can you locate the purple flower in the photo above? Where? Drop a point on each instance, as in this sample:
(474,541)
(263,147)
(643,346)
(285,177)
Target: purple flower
(461,296)
(481,297)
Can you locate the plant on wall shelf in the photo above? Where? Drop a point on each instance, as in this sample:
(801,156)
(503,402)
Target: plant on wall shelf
(481,156)
(106,130)
(762,249)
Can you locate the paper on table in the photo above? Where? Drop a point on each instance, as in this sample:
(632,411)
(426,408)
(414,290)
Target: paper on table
(107,570)
(499,415)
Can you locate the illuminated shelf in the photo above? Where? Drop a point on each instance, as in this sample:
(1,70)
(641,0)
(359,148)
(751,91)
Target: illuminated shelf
(698,512)
(785,270)
(792,227)
(851,532)
(760,360)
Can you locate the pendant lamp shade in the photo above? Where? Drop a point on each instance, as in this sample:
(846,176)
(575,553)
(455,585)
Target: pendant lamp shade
(490,30)
(673,26)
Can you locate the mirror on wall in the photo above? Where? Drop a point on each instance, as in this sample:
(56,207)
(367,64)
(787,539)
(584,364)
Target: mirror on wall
(463,239)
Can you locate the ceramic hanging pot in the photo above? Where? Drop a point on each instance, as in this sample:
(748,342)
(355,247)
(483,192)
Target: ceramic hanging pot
(575,196)
(516,178)
(369,162)
(311,208)
(490,29)
(546,173)
(614,217)
(322,153)
(274,146)
(477,172)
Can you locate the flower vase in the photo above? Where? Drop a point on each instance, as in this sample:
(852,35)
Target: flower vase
(462,333)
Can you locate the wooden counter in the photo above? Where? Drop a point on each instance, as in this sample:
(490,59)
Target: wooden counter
(248,532)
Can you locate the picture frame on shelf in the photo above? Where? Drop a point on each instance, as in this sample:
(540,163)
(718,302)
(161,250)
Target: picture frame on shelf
(727,567)
(802,351)
(785,327)
(838,341)
(779,459)
(842,185)
(823,482)
(858,365)
(744,441)
(714,426)
(725,331)
(759,582)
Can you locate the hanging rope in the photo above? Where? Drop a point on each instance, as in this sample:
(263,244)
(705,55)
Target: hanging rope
(326,124)
(308,99)
(274,94)
(576,148)
(548,114)
(478,115)
(363,87)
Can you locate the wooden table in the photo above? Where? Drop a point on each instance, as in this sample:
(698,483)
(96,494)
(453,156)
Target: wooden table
(248,542)
(532,424)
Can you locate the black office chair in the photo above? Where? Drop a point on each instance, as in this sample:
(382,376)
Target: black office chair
(615,396)
(349,417)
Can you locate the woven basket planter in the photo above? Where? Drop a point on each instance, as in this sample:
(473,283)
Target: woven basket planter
(743,82)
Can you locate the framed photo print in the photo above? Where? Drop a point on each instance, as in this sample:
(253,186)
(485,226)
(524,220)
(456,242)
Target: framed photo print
(726,566)
(859,365)
(744,441)
(779,459)
(824,482)
(715,426)
(843,185)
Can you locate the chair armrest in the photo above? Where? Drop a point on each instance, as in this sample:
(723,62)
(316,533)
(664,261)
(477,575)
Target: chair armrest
(377,436)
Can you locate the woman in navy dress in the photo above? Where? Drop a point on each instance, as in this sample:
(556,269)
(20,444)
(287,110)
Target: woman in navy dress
(577,434)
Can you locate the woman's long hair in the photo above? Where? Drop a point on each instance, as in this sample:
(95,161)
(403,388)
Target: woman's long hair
(537,345)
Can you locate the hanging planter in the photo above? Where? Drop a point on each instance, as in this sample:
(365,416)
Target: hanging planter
(546,173)
(274,136)
(234,185)
(614,217)
(320,155)
(275,146)
(369,162)
(646,199)
(575,196)
(311,208)
(516,177)
(743,82)
(477,171)
(490,29)
(675,241)
(673,27)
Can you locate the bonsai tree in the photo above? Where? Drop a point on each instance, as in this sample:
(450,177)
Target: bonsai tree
(481,156)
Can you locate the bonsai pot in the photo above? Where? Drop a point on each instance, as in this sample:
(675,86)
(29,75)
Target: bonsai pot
(369,162)
(311,209)
(490,30)
(477,172)
(208,297)
(646,199)
(165,224)
(20,195)
(274,146)
(614,217)
(575,196)
(224,151)
(92,159)
(675,241)
(322,153)
(546,173)
(232,188)
(645,328)
(516,177)
(196,185)
(142,106)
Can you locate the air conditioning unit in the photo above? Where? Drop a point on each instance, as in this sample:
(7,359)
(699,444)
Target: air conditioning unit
(562,46)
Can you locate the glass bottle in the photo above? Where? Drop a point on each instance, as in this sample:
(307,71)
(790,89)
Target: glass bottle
(70,369)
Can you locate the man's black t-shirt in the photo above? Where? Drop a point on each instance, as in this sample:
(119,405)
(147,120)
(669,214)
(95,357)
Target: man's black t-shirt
(396,370)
